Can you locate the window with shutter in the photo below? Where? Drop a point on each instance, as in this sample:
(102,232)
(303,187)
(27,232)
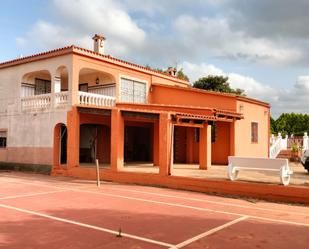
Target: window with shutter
(254,132)
(3,137)
(132,91)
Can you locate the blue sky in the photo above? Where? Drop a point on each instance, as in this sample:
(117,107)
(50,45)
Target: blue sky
(262,46)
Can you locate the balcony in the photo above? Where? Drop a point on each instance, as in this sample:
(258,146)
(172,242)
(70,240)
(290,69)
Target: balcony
(46,102)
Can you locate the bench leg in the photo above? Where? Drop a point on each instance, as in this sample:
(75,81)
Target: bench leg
(285,176)
(232,173)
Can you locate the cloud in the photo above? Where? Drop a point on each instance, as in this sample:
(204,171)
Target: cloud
(215,35)
(281,100)
(77,20)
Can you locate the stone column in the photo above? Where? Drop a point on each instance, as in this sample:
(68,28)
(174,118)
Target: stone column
(73,128)
(164,144)
(117,140)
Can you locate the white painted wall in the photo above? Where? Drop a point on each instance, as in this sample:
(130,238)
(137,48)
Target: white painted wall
(29,129)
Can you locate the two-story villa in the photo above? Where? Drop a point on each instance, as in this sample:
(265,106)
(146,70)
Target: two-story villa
(69,106)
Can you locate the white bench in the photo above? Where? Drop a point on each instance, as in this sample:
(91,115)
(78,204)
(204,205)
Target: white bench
(237,164)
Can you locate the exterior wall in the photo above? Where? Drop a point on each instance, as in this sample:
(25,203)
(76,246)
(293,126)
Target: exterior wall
(81,62)
(169,82)
(30,135)
(220,149)
(161,94)
(252,113)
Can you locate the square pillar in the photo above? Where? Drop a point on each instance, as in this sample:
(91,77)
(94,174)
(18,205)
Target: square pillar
(205,147)
(164,144)
(232,139)
(73,126)
(156,144)
(117,140)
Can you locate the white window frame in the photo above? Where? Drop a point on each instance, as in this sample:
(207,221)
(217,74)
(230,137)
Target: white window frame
(126,77)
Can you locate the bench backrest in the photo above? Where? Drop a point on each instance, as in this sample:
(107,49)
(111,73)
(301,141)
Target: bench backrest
(256,162)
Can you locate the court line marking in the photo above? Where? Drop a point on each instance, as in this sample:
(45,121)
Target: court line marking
(179,205)
(186,198)
(206,201)
(131,236)
(209,232)
(32,194)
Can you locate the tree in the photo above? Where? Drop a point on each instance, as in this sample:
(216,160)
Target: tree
(217,84)
(290,123)
(181,75)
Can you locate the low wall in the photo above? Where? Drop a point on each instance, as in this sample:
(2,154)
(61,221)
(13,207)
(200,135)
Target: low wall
(271,192)
(36,168)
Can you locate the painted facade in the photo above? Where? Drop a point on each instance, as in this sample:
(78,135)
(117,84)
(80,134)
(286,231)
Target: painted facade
(70,106)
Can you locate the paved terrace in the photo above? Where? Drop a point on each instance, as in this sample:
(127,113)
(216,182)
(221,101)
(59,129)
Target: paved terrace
(299,177)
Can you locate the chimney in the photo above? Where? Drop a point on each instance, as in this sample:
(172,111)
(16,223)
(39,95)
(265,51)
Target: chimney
(98,43)
(172,71)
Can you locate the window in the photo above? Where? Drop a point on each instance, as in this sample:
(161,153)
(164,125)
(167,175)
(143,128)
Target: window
(133,91)
(83,87)
(214,132)
(42,86)
(254,132)
(3,135)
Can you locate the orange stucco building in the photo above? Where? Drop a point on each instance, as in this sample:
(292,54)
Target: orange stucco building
(70,106)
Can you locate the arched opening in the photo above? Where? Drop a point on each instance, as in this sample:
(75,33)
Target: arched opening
(60,144)
(36,83)
(61,80)
(98,82)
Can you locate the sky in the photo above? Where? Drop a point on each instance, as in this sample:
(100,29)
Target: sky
(261,45)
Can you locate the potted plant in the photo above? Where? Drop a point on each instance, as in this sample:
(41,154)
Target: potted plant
(295,152)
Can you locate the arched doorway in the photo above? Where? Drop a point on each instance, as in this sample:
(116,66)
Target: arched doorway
(60,144)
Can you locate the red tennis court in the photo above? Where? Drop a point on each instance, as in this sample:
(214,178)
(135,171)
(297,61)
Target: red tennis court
(39,211)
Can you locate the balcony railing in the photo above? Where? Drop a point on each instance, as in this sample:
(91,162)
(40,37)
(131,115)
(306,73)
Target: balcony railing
(36,102)
(92,99)
(60,100)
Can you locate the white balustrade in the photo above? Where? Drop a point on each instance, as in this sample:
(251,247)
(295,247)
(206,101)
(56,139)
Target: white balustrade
(61,99)
(92,99)
(36,102)
(276,147)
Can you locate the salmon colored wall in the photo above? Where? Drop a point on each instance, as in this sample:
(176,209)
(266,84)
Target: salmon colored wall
(115,71)
(192,154)
(91,78)
(220,149)
(159,80)
(192,97)
(180,144)
(243,144)
(103,144)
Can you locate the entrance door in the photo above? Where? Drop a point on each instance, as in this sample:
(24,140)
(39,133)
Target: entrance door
(63,144)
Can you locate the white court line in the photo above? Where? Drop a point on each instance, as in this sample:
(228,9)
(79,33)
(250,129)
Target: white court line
(131,236)
(192,199)
(45,185)
(209,232)
(29,195)
(179,205)
(207,201)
